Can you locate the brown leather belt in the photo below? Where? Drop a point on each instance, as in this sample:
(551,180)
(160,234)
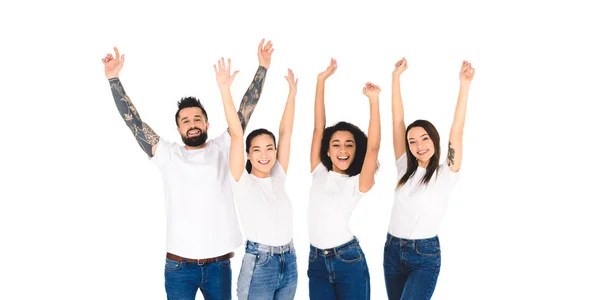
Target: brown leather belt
(199,261)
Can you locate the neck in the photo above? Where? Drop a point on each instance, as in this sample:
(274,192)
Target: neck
(423,164)
(260,174)
(337,170)
(195,147)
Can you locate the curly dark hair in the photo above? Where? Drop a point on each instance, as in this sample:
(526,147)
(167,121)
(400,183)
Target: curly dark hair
(361,146)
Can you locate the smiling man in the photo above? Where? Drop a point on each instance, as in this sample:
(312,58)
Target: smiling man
(202,227)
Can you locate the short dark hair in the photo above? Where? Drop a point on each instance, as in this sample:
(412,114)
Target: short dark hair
(186,102)
(361,146)
(412,163)
(250,137)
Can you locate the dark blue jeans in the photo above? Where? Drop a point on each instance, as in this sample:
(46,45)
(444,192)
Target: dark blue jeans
(411,267)
(182,280)
(338,273)
(268,272)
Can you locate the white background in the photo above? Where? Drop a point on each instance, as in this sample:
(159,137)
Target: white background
(82,212)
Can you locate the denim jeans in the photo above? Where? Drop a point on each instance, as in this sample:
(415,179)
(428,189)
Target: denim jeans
(183,279)
(338,273)
(268,272)
(411,267)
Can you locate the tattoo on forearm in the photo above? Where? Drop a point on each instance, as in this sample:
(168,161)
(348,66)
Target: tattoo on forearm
(450,154)
(144,135)
(251,97)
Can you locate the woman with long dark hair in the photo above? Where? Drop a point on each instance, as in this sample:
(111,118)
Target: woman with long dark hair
(412,257)
(343,163)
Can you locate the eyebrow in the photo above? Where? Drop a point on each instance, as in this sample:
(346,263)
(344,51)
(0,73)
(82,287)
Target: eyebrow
(347,141)
(420,136)
(199,116)
(269,145)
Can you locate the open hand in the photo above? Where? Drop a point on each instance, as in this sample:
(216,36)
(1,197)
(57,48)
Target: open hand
(113,65)
(264,53)
(329,71)
(224,79)
(290,79)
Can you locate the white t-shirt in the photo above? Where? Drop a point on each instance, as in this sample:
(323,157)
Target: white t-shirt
(264,207)
(333,197)
(419,209)
(201,219)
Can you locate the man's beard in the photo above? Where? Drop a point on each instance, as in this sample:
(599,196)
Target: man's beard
(195,141)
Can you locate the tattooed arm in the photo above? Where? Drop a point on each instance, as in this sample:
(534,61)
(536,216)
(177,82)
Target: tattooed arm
(255,89)
(320,120)
(455,150)
(145,136)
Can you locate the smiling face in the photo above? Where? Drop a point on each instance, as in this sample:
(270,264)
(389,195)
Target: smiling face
(342,148)
(192,126)
(421,145)
(262,154)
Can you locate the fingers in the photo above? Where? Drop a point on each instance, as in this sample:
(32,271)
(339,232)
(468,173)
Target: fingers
(122,59)
(117,55)
(401,64)
(260,46)
(234,74)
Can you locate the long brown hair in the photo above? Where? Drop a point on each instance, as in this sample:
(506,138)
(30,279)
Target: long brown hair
(412,162)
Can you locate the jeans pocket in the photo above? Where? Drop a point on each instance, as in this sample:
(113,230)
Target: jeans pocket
(351,255)
(225,263)
(262,259)
(429,250)
(171,265)
(312,257)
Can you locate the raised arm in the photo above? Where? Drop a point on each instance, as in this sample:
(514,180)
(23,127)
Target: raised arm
(455,145)
(320,114)
(399,127)
(145,136)
(366,178)
(236,151)
(287,123)
(255,89)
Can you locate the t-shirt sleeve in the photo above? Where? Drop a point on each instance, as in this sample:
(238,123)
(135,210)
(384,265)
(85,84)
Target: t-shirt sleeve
(319,170)
(223,142)
(243,179)
(449,177)
(277,171)
(353,187)
(401,166)
(162,153)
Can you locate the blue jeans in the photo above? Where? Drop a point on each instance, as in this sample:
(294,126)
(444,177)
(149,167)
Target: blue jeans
(411,267)
(338,273)
(268,272)
(183,279)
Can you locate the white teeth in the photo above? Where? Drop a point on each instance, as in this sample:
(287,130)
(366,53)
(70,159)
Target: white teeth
(342,157)
(264,162)
(421,152)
